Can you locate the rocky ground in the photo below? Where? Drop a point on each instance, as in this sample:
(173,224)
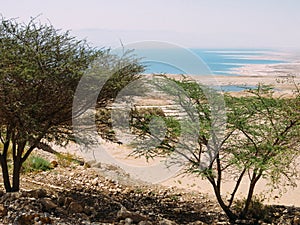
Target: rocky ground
(81,194)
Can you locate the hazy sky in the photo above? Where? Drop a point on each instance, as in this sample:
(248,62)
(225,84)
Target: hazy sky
(190,23)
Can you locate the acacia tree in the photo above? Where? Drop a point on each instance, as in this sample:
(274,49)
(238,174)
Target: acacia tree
(261,140)
(40,68)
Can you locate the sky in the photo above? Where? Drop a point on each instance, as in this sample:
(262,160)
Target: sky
(189,23)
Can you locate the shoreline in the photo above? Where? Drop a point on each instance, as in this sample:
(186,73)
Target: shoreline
(283,85)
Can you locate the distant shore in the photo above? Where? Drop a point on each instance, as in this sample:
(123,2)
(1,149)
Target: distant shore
(277,75)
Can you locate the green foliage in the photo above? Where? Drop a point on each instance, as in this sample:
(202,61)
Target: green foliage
(261,140)
(147,123)
(266,133)
(123,70)
(40,70)
(142,117)
(36,164)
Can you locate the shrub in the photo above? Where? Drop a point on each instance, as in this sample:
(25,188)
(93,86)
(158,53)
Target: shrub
(67,159)
(257,209)
(36,163)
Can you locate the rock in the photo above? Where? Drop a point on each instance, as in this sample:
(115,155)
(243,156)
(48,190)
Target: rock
(45,219)
(24,220)
(88,210)
(75,207)
(67,202)
(97,165)
(166,222)
(95,181)
(89,164)
(199,223)
(3,210)
(296,220)
(128,221)
(145,223)
(54,163)
(11,196)
(29,219)
(123,213)
(61,200)
(38,193)
(61,211)
(48,204)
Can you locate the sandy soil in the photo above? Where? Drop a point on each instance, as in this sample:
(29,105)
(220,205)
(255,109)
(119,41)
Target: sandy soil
(156,172)
(289,197)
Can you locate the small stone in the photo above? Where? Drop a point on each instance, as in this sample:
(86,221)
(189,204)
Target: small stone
(97,165)
(68,200)
(128,221)
(166,222)
(123,213)
(60,200)
(145,223)
(54,163)
(11,196)
(3,210)
(46,220)
(88,210)
(89,164)
(23,219)
(75,207)
(296,220)
(48,204)
(200,223)
(95,181)
(38,193)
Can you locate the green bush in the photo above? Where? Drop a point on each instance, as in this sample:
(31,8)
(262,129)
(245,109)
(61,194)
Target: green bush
(36,163)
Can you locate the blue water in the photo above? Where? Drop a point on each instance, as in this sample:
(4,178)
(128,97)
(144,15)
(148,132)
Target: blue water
(218,61)
(235,88)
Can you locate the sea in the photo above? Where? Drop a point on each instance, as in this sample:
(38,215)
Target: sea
(219,61)
(216,61)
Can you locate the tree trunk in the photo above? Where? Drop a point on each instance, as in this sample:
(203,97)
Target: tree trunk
(16,174)
(250,195)
(232,217)
(5,174)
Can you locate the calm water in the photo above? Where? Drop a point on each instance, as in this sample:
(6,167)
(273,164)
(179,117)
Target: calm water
(219,61)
